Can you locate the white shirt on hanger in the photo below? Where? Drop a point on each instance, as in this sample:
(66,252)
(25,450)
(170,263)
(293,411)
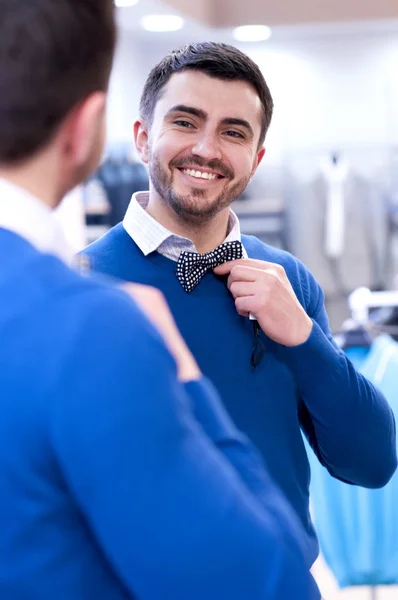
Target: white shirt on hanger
(335,176)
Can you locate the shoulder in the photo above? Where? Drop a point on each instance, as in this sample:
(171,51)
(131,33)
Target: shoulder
(100,309)
(107,254)
(114,242)
(82,311)
(104,344)
(74,332)
(303,282)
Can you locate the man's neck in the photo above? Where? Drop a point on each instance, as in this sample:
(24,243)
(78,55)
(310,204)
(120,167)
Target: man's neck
(34,178)
(205,236)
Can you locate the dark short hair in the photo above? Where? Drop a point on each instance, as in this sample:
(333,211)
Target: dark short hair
(215,60)
(53,55)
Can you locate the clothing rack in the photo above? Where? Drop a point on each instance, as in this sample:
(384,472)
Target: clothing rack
(362,299)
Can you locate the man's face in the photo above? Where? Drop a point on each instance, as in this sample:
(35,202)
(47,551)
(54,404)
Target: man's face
(203,143)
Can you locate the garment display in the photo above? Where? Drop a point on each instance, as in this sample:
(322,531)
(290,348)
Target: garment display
(261,207)
(357,527)
(338,229)
(388,181)
(121,178)
(335,173)
(268,403)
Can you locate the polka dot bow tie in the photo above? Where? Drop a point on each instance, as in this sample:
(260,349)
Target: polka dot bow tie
(191,266)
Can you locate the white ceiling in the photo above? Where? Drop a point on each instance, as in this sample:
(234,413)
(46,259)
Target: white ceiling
(230,13)
(291,24)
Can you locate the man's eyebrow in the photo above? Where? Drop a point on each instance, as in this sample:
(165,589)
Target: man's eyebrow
(240,122)
(191,110)
(201,114)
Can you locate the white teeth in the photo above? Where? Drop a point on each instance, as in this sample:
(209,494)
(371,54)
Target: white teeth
(199,174)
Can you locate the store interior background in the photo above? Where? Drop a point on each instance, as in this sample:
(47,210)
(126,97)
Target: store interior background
(333,74)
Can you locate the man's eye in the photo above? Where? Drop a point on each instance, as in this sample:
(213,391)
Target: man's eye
(183,123)
(235,134)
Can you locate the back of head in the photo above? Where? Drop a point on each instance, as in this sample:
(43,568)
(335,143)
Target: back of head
(217,60)
(53,55)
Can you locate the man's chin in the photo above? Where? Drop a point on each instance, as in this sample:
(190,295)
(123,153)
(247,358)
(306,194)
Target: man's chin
(190,210)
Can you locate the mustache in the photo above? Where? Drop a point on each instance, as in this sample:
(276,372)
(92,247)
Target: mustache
(197,161)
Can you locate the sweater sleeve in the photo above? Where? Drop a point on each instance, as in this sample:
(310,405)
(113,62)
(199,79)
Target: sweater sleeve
(347,421)
(171,515)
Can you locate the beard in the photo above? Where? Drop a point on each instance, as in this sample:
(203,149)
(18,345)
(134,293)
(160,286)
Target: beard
(194,207)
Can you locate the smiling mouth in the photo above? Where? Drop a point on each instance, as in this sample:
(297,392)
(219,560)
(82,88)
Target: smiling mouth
(201,174)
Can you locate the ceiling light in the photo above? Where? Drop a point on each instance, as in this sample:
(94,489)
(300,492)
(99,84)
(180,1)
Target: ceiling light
(162,22)
(125,3)
(252,33)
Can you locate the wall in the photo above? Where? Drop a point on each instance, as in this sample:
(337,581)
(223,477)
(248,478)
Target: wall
(336,92)
(128,77)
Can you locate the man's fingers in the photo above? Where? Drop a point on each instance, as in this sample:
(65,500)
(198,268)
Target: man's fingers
(226,268)
(242,288)
(242,273)
(243,305)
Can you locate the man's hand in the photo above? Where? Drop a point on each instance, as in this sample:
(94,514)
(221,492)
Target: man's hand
(154,305)
(263,289)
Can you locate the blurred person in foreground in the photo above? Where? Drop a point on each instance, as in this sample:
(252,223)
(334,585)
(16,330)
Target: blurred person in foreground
(121,476)
(205,111)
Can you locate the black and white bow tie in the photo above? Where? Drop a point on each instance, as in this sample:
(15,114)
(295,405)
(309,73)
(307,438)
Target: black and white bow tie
(192,266)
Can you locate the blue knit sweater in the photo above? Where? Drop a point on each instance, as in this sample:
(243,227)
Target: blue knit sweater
(347,421)
(110,489)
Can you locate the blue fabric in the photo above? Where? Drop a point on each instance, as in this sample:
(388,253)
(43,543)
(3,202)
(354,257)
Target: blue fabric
(358,528)
(347,421)
(110,489)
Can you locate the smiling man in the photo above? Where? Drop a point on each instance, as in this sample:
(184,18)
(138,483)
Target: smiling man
(253,316)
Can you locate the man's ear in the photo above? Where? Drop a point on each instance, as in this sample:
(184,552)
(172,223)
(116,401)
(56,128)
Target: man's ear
(257,161)
(259,158)
(141,138)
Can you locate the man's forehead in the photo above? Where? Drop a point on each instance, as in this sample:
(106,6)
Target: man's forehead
(210,94)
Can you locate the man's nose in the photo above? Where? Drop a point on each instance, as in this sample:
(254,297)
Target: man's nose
(207,146)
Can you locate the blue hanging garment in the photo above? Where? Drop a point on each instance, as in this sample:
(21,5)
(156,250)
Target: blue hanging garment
(357,527)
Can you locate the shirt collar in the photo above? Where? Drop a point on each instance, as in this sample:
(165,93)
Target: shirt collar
(151,236)
(27,216)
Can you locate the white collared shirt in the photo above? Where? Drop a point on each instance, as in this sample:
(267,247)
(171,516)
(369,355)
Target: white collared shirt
(151,236)
(27,216)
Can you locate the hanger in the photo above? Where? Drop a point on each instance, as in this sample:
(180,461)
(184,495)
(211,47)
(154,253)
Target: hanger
(361,329)
(362,299)
(354,335)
